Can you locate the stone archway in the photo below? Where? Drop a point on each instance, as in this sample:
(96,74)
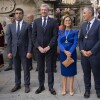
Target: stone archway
(37,2)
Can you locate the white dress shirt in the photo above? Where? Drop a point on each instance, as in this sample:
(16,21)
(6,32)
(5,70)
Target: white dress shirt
(43,20)
(21,22)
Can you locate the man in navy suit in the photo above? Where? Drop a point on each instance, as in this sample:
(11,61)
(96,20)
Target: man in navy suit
(20,48)
(89,44)
(44,39)
(12,20)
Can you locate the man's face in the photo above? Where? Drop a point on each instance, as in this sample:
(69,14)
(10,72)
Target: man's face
(18,15)
(12,19)
(30,19)
(86,14)
(44,11)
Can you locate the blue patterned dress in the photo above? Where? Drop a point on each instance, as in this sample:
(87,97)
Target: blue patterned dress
(69,45)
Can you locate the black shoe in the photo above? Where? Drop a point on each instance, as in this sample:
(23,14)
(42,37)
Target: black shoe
(30,68)
(52,91)
(98,94)
(55,70)
(46,71)
(27,89)
(8,68)
(39,90)
(16,88)
(87,94)
(36,69)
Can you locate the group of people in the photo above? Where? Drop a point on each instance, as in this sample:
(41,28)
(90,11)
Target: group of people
(44,36)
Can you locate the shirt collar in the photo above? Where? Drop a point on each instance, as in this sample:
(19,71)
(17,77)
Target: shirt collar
(92,20)
(46,18)
(20,21)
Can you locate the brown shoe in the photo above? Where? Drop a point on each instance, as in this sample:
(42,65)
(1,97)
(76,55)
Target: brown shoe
(27,89)
(16,87)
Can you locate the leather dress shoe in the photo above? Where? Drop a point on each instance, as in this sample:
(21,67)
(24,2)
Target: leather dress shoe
(27,89)
(98,94)
(55,70)
(87,94)
(8,68)
(36,69)
(46,71)
(30,68)
(17,87)
(39,90)
(52,91)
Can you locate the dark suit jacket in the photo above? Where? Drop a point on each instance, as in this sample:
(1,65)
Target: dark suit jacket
(93,41)
(23,41)
(45,38)
(1,37)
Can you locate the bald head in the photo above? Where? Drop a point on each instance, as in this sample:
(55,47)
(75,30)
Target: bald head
(30,18)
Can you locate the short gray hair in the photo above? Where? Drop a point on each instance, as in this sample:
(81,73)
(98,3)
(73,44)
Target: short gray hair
(45,5)
(91,9)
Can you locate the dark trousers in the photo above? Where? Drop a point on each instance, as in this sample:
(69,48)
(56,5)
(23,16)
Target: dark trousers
(54,58)
(1,59)
(10,63)
(30,62)
(41,58)
(18,60)
(34,53)
(88,64)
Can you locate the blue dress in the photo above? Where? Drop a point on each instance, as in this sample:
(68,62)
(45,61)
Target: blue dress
(69,45)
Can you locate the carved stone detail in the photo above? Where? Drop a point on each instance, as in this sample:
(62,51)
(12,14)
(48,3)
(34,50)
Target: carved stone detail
(38,2)
(6,6)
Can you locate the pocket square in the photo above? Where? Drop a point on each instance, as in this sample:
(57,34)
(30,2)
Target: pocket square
(68,62)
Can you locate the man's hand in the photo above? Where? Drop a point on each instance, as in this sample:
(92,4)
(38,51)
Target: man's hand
(41,49)
(29,55)
(84,53)
(47,49)
(89,53)
(10,55)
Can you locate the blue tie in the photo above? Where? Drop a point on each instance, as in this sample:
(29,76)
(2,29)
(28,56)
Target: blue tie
(44,23)
(18,28)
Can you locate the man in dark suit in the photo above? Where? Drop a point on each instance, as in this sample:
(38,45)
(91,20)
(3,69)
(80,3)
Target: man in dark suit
(44,39)
(89,43)
(20,47)
(12,20)
(1,45)
(30,20)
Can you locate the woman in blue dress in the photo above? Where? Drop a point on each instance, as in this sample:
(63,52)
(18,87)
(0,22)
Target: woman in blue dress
(67,42)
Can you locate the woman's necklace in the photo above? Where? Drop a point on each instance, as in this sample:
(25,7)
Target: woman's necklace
(66,34)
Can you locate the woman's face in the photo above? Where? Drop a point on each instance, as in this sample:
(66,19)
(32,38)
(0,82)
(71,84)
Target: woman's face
(67,22)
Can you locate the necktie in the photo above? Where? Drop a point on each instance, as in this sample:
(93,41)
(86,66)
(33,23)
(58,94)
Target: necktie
(18,28)
(88,26)
(44,23)
(87,30)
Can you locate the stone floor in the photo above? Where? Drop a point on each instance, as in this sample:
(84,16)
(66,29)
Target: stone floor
(7,82)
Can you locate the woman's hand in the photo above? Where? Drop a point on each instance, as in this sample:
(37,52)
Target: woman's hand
(68,54)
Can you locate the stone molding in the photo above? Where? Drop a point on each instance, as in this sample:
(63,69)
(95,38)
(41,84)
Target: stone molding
(6,6)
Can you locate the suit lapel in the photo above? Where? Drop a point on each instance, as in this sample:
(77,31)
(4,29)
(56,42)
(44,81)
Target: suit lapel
(93,26)
(85,25)
(14,28)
